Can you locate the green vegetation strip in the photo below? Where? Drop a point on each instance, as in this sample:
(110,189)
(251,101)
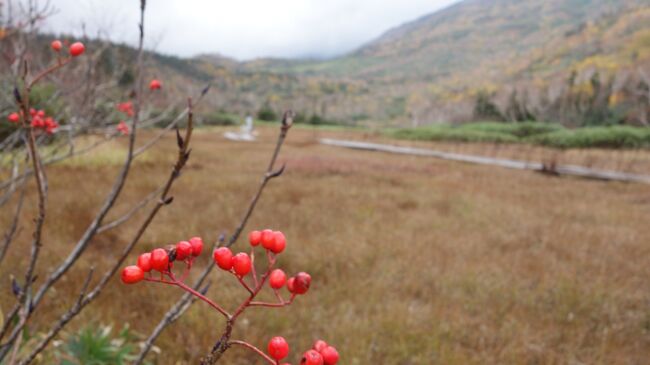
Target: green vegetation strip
(545,134)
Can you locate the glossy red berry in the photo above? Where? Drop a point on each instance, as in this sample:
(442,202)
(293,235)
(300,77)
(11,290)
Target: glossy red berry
(155,84)
(254,238)
(223,258)
(319,345)
(56,45)
(279,242)
(278,348)
(41,113)
(14,117)
(277,279)
(311,357)
(268,239)
(242,264)
(330,355)
(302,283)
(159,259)
(197,245)
(291,285)
(132,274)
(76,49)
(183,250)
(144,262)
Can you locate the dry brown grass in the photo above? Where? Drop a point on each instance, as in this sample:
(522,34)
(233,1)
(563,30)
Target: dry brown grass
(415,260)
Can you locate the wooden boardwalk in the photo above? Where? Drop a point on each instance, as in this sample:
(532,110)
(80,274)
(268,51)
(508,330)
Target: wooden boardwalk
(571,170)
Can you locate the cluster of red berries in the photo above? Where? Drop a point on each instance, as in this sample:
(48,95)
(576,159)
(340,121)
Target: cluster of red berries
(76,49)
(161,259)
(320,354)
(39,120)
(241,264)
(126,108)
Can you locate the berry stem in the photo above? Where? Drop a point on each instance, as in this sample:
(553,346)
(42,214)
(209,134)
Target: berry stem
(254,349)
(199,295)
(186,271)
(162,281)
(253,266)
(272,305)
(49,70)
(243,283)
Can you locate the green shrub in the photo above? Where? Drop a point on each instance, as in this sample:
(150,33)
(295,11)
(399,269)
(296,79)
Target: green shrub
(447,133)
(220,118)
(267,114)
(521,129)
(546,134)
(596,137)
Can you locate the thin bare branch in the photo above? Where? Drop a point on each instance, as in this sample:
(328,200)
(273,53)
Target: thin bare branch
(11,232)
(124,218)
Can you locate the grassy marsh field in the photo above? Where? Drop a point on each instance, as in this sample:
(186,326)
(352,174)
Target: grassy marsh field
(414,260)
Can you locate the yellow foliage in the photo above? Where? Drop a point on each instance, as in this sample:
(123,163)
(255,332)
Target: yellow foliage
(616,98)
(601,62)
(584,88)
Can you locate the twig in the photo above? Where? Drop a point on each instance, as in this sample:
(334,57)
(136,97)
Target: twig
(254,349)
(14,226)
(131,212)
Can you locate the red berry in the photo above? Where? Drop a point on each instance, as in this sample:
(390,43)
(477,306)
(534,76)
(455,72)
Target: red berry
(14,117)
(330,355)
(268,239)
(277,279)
(40,113)
(154,84)
(56,45)
(291,285)
(278,348)
(241,263)
(280,242)
(302,283)
(123,128)
(319,345)
(311,357)
(197,245)
(159,259)
(144,262)
(77,49)
(223,258)
(132,274)
(183,250)
(255,237)
(37,122)
(32,112)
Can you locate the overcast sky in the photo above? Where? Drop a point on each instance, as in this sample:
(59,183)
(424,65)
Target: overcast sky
(244,29)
